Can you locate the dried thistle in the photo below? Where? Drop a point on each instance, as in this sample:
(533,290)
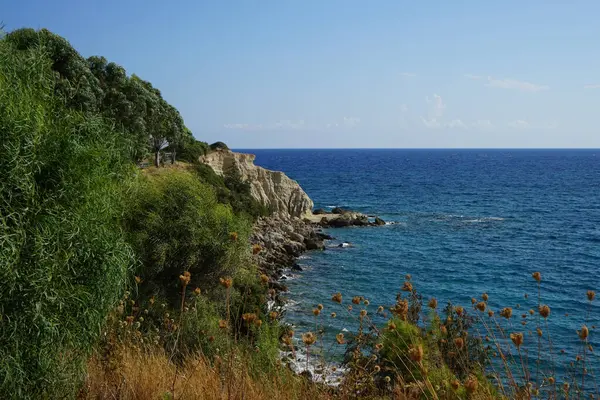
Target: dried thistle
(337,298)
(264,279)
(222,324)
(517,339)
(401,309)
(459,310)
(416,353)
(316,312)
(233,236)
(506,312)
(591,295)
(380,309)
(490,313)
(340,338)
(537,276)
(485,297)
(544,311)
(471,384)
(197,291)
(481,306)
(249,317)
(256,249)
(273,315)
(320,307)
(584,332)
(459,343)
(363,313)
(185,278)
(407,287)
(226,282)
(333,315)
(356,300)
(309,338)
(433,303)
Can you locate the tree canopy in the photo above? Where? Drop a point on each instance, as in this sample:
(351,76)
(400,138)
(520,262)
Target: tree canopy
(95,85)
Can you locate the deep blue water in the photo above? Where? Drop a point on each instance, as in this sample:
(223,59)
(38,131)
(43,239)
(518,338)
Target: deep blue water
(469,221)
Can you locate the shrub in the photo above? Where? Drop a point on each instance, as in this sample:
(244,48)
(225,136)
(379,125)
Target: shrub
(175,224)
(218,146)
(231,189)
(62,255)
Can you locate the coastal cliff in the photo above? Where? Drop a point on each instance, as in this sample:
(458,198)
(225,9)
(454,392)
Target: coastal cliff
(281,195)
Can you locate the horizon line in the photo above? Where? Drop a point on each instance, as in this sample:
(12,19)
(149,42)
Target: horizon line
(415,148)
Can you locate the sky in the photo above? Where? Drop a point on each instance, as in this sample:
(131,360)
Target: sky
(345,73)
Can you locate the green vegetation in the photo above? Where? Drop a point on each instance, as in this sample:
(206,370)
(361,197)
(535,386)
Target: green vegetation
(174,223)
(232,190)
(80,225)
(95,86)
(63,259)
(133,284)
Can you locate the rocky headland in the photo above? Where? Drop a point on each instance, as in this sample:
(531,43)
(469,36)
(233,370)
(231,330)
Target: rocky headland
(293,227)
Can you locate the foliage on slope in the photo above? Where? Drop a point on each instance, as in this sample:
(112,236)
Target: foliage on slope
(63,259)
(97,86)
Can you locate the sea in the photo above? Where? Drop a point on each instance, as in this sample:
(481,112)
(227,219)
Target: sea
(461,223)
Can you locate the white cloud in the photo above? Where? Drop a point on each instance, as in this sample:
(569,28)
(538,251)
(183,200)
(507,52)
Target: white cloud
(351,122)
(482,124)
(437,106)
(594,86)
(408,74)
(514,84)
(238,126)
(456,123)
(403,108)
(519,124)
(431,123)
(291,125)
(282,124)
(474,77)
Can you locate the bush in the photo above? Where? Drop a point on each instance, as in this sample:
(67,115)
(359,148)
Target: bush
(192,150)
(232,190)
(175,224)
(218,146)
(62,255)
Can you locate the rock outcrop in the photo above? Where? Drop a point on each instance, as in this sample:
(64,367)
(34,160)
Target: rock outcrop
(281,242)
(281,195)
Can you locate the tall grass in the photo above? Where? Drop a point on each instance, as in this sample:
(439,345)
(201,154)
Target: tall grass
(412,350)
(63,259)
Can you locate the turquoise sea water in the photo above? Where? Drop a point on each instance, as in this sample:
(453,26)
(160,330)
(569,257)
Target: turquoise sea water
(467,222)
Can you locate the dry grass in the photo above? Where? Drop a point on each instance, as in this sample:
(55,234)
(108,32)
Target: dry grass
(134,375)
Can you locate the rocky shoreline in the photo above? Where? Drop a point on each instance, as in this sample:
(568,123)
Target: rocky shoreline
(283,240)
(293,226)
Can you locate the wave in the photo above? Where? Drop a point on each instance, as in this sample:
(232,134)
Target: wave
(328,373)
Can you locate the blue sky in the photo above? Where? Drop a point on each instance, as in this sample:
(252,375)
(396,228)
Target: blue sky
(335,73)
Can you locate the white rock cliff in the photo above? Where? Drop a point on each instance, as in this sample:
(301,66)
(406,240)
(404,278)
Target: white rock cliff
(282,195)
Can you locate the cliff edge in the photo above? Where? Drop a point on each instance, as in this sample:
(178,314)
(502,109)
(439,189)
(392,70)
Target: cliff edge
(283,196)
